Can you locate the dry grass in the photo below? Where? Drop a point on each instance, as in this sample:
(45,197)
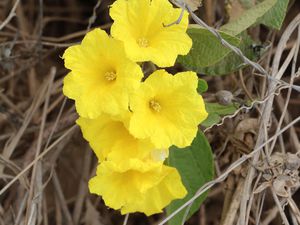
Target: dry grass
(45,164)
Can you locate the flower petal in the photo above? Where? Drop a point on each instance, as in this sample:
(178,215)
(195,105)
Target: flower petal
(102,76)
(146,186)
(180,110)
(109,138)
(141,25)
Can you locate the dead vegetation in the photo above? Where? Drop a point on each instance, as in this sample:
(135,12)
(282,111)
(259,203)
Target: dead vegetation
(45,163)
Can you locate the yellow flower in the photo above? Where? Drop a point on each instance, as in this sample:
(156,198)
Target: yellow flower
(140,24)
(137,186)
(167,109)
(101,76)
(109,138)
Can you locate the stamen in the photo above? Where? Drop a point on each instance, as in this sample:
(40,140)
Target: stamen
(143,42)
(154,105)
(110,76)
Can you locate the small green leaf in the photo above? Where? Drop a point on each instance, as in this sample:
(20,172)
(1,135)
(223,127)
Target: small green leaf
(212,118)
(232,62)
(247,3)
(215,111)
(249,18)
(206,49)
(202,86)
(196,167)
(274,17)
(220,109)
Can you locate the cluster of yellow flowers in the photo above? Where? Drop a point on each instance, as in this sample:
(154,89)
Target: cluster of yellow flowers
(130,123)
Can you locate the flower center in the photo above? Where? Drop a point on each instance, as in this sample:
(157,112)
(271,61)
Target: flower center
(110,76)
(154,105)
(143,42)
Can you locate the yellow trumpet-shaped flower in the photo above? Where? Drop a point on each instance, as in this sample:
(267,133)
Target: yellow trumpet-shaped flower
(101,76)
(167,109)
(137,186)
(109,138)
(141,25)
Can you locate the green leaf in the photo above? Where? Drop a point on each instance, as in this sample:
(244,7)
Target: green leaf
(247,3)
(232,62)
(249,17)
(212,118)
(220,109)
(202,86)
(274,17)
(215,111)
(196,167)
(206,49)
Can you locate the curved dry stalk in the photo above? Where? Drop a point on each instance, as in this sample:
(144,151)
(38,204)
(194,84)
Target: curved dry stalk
(267,110)
(293,74)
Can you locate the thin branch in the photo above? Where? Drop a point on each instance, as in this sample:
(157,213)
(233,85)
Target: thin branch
(126,219)
(93,18)
(10,15)
(283,216)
